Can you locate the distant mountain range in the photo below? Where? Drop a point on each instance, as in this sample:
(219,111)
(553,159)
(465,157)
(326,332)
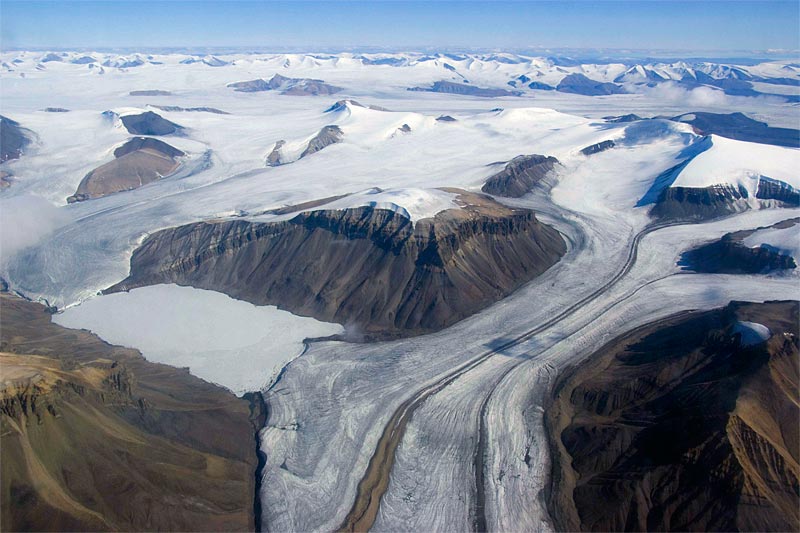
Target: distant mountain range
(488,74)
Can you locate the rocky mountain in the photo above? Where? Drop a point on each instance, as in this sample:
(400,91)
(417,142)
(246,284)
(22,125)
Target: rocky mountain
(179,109)
(740,127)
(729,254)
(13,139)
(520,175)
(327,136)
(148,123)
(96,438)
(580,84)
(150,92)
(686,424)
(596,148)
(284,85)
(450,87)
(372,270)
(720,176)
(699,203)
(138,162)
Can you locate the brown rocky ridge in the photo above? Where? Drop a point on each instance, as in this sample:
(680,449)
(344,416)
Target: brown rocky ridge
(691,423)
(95,438)
(138,162)
(371,270)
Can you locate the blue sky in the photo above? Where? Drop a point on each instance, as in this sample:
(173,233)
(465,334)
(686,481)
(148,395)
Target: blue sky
(697,25)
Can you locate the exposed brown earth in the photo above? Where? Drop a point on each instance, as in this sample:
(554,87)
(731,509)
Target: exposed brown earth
(681,426)
(93,437)
(138,162)
(363,267)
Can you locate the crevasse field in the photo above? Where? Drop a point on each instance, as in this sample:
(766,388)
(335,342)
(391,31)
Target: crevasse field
(336,397)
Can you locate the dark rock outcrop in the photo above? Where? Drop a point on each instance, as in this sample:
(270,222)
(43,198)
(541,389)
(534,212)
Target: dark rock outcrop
(55,110)
(686,424)
(52,56)
(539,86)
(94,437)
(149,123)
(445,118)
(327,136)
(598,147)
(203,109)
(251,86)
(150,92)
(362,267)
(729,255)
(580,84)
(84,60)
(6,179)
(519,176)
(630,117)
(289,86)
(274,159)
(341,105)
(450,87)
(769,189)
(699,203)
(138,162)
(13,139)
(740,127)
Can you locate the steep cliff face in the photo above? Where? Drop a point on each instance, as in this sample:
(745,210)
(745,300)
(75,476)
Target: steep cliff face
(706,203)
(13,139)
(769,189)
(149,123)
(363,267)
(95,438)
(699,203)
(686,424)
(599,147)
(519,176)
(729,255)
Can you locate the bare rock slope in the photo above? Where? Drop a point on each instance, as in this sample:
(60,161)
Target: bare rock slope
(729,255)
(138,162)
(95,438)
(520,175)
(363,267)
(13,139)
(686,424)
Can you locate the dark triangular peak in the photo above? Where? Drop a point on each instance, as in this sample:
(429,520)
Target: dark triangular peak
(149,123)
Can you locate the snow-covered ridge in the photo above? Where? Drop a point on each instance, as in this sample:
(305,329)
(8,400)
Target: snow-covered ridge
(412,203)
(740,164)
(785,241)
(498,70)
